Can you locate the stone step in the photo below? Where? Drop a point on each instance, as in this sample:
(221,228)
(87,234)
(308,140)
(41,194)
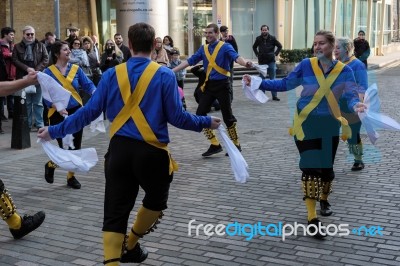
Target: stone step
(237,74)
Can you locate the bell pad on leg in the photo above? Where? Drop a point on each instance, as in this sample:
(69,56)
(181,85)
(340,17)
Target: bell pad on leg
(312,186)
(7,206)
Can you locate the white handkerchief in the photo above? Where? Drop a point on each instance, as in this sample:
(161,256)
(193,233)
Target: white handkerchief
(238,163)
(98,124)
(372,119)
(262,69)
(71,160)
(253,92)
(53,92)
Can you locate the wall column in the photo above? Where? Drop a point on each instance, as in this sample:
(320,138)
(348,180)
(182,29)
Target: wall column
(353,19)
(382,27)
(290,26)
(279,7)
(93,14)
(333,17)
(153,12)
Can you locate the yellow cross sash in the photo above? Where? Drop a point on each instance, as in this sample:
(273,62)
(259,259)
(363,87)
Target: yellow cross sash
(66,82)
(132,110)
(212,64)
(351,59)
(323,91)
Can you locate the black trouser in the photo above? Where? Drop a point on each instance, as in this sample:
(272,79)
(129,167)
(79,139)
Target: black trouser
(318,149)
(217,89)
(130,164)
(56,118)
(1,186)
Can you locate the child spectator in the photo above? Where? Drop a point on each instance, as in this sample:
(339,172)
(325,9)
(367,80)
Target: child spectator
(180,75)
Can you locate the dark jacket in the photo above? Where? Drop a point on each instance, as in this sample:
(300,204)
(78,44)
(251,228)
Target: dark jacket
(361,49)
(231,40)
(264,48)
(40,58)
(125,50)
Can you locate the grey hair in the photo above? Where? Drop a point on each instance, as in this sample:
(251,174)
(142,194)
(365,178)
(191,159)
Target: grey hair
(28,27)
(346,43)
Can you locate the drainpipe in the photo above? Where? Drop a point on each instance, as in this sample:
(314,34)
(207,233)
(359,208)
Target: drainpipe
(57,18)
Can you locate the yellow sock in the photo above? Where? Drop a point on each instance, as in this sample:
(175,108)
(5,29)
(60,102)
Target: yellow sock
(311,209)
(112,245)
(70,174)
(145,218)
(214,141)
(14,222)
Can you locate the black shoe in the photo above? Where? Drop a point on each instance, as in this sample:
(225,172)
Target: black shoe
(49,172)
(238,147)
(213,149)
(357,166)
(325,208)
(73,182)
(28,224)
(137,255)
(316,231)
(275,98)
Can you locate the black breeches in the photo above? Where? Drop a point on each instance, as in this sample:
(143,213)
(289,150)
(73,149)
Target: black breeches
(217,90)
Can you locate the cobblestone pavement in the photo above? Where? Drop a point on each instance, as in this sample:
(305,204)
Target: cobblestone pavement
(204,189)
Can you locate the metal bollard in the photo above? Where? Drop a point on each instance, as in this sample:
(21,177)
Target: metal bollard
(20,136)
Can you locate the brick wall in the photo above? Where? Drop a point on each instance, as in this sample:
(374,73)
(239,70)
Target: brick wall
(40,15)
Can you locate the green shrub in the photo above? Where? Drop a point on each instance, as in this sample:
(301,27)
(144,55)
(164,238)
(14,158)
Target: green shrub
(294,55)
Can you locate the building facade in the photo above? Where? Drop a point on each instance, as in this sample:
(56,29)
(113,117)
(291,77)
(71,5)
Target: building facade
(293,22)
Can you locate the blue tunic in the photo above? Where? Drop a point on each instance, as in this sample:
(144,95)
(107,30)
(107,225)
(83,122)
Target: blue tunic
(80,81)
(224,58)
(344,87)
(160,105)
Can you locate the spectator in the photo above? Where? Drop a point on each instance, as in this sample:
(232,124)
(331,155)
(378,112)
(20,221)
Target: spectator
(125,50)
(31,55)
(49,39)
(94,63)
(361,48)
(79,57)
(8,69)
(111,57)
(264,48)
(168,45)
(159,54)
(73,35)
(231,40)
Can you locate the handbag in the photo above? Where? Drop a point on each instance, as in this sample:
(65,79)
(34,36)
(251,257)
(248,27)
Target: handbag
(30,89)
(87,71)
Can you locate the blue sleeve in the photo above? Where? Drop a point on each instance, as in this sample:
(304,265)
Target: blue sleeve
(196,57)
(84,116)
(290,82)
(350,91)
(173,109)
(85,83)
(361,76)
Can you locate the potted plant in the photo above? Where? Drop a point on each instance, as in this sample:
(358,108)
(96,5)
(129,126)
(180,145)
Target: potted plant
(290,58)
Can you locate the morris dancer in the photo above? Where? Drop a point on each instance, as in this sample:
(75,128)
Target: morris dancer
(141,97)
(318,119)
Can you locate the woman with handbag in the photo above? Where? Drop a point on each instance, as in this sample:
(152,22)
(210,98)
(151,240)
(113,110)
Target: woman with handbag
(72,78)
(94,63)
